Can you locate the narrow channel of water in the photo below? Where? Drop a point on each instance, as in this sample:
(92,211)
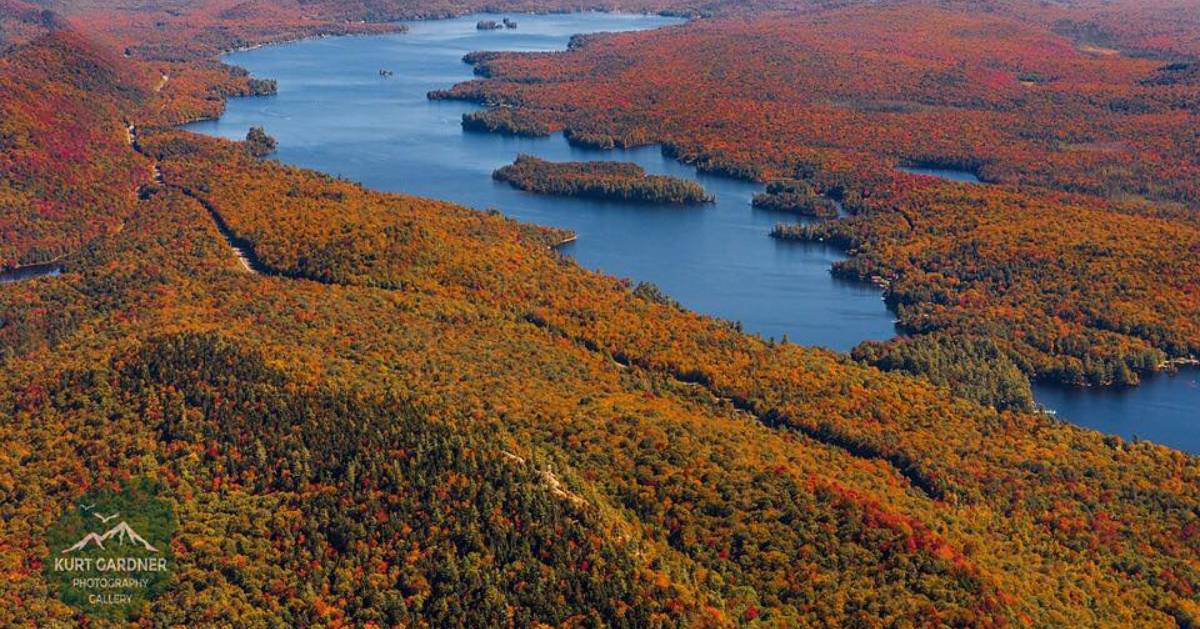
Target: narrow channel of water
(335,113)
(29,272)
(943,173)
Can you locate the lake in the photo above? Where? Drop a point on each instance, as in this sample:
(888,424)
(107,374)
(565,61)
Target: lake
(29,272)
(1164,408)
(960,176)
(335,113)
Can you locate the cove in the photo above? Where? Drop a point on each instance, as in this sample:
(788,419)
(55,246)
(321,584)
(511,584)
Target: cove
(335,113)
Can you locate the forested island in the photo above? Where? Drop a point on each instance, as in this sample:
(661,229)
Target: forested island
(492,25)
(797,197)
(618,181)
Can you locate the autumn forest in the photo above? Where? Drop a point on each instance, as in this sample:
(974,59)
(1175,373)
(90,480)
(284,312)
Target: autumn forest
(380,410)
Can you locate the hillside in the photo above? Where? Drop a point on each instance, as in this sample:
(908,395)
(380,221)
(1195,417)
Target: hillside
(411,413)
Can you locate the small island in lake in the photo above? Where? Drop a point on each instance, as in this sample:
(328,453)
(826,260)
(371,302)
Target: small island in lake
(258,143)
(618,181)
(796,197)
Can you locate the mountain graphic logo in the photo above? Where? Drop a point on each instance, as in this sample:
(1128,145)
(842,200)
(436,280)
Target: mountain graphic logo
(122,533)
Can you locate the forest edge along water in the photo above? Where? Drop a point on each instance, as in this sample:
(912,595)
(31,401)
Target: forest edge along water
(337,112)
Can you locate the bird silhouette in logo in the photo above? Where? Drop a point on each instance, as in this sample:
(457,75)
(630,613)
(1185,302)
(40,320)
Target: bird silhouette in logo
(105,519)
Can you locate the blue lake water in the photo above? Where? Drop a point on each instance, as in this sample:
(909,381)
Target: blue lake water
(1164,408)
(944,173)
(334,113)
(30,272)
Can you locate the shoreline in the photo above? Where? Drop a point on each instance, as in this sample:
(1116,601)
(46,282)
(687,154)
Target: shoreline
(32,265)
(565,241)
(1173,364)
(401,26)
